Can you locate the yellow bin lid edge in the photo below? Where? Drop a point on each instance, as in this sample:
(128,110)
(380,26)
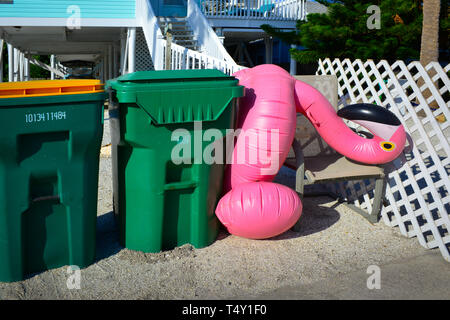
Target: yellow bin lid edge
(38,88)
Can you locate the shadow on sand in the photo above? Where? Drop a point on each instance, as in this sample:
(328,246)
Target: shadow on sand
(107,236)
(315,216)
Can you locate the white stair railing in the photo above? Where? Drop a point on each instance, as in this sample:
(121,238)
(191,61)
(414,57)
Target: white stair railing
(207,39)
(153,35)
(183,59)
(214,55)
(254,9)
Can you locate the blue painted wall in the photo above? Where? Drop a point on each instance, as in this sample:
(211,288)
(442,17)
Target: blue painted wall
(169,8)
(280,52)
(102,9)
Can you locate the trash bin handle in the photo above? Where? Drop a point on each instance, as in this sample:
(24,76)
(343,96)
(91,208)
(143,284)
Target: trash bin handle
(45,198)
(181,185)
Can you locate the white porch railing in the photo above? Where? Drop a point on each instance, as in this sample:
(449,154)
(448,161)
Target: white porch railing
(183,58)
(254,9)
(418,185)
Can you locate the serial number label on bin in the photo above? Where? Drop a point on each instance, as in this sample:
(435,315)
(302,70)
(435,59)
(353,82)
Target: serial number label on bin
(45,116)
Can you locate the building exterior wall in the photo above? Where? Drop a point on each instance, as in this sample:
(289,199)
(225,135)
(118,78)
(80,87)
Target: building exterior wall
(100,9)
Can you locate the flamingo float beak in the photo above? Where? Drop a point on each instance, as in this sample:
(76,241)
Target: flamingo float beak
(378,120)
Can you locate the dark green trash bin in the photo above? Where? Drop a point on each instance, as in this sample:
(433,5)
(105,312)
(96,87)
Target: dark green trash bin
(159,202)
(50,137)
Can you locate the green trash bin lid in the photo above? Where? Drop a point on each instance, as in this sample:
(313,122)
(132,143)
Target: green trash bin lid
(178,96)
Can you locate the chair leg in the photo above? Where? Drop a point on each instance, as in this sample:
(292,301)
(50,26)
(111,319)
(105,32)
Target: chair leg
(300,181)
(374,215)
(380,187)
(300,188)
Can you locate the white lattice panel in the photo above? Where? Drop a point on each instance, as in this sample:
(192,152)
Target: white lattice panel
(417,192)
(143,58)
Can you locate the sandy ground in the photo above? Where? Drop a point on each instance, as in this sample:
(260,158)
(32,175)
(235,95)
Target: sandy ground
(333,243)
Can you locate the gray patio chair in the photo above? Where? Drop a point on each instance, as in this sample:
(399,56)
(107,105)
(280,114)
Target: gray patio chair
(317,163)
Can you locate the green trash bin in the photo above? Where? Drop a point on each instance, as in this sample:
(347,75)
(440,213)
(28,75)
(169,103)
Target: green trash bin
(159,202)
(50,137)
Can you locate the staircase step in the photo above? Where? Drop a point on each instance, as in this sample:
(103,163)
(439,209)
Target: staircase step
(183,36)
(185,42)
(163,23)
(171,19)
(181,33)
(175,23)
(184,29)
(191,48)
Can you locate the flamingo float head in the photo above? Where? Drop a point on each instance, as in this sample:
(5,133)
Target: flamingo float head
(389,136)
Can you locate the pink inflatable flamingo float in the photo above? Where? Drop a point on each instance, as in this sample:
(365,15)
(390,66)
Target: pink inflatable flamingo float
(256,208)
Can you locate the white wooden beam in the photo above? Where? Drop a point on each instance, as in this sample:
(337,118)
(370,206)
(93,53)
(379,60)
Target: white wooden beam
(131,50)
(26,68)
(293,65)
(110,62)
(116,54)
(21,67)
(268,41)
(123,53)
(16,65)
(1,60)
(52,65)
(10,63)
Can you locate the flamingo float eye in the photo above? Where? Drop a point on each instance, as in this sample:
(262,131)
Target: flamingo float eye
(387,146)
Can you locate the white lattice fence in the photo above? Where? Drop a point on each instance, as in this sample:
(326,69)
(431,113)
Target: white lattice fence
(417,191)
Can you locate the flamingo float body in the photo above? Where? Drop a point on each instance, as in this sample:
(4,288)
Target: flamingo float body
(256,208)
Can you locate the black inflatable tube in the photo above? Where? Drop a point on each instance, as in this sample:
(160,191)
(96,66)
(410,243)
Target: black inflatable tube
(369,112)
